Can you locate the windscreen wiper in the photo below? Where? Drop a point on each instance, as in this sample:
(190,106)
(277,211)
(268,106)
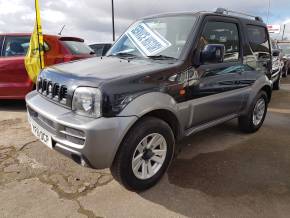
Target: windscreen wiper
(124,55)
(161,57)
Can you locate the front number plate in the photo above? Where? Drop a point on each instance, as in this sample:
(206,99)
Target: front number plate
(41,134)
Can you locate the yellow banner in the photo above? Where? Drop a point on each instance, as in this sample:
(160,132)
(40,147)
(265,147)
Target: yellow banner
(34,60)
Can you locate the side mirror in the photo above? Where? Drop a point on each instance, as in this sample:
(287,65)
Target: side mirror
(212,54)
(276,53)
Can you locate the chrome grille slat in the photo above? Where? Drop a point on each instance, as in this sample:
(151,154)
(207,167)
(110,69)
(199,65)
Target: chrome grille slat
(49,89)
(52,90)
(56,91)
(44,86)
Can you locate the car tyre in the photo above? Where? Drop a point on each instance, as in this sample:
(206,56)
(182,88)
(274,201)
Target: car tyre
(153,160)
(276,84)
(253,121)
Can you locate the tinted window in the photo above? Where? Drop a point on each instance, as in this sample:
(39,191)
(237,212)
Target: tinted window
(1,44)
(77,48)
(259,41)
(106,48)
(223,33)
(16,46)
(98,48)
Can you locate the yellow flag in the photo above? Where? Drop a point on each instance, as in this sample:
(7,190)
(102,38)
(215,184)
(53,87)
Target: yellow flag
(34,60)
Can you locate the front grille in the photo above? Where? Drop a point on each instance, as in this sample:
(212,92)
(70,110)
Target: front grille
(52,90)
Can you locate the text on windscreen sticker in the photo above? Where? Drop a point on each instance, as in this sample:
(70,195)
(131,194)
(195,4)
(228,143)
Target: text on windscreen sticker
(146,40)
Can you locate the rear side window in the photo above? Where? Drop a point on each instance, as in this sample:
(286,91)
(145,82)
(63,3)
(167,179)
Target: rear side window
(259,40)
(77,48)
(15,46)
(1,44)
(223,33)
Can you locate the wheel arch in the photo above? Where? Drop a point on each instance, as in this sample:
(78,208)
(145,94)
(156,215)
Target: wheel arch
(159,105)
(268,90)
(163,114)
(168,117)
(254,92)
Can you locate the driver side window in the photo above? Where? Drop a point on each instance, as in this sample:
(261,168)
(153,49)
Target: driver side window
(223,34)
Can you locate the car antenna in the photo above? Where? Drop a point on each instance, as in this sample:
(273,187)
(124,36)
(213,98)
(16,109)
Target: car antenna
(61,30)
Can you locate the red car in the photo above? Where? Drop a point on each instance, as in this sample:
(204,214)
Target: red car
(14,80)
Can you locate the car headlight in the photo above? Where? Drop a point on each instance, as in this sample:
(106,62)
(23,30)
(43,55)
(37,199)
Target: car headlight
(87,102)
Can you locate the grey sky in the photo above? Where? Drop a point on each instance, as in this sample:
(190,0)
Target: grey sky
(91,19)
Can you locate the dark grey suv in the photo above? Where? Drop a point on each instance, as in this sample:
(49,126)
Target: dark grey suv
(167,77)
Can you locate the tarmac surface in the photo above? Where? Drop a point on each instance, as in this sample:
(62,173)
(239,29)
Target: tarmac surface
(220,172)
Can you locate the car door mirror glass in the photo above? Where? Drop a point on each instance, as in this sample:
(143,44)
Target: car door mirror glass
(212,54)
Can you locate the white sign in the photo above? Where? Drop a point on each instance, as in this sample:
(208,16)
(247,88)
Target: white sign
(274,28)
(147,41)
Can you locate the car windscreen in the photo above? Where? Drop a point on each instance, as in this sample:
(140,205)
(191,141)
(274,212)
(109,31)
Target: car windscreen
(161,36)
(285,48)
(77,48)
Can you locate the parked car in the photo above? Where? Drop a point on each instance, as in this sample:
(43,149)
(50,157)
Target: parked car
(101,48)
(285,46)
(14,80)
(277,65)
(167,77)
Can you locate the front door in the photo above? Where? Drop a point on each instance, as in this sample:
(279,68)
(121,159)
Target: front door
(14,80)
(214,89)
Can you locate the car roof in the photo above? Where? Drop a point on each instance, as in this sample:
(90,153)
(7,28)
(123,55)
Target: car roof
(21,34)
(208,13)
(47,35)
(13,34)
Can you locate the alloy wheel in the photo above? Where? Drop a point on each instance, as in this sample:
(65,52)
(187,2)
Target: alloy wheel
(149,156)
(259,111)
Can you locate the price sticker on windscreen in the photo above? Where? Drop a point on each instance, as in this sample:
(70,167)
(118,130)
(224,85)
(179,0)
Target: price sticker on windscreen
(146,40)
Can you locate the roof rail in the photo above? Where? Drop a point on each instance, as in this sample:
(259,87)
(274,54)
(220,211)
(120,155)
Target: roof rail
(226,11)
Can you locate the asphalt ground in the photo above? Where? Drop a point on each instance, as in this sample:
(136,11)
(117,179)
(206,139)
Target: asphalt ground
(219,172)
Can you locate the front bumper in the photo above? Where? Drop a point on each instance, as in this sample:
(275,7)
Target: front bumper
(88,141)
